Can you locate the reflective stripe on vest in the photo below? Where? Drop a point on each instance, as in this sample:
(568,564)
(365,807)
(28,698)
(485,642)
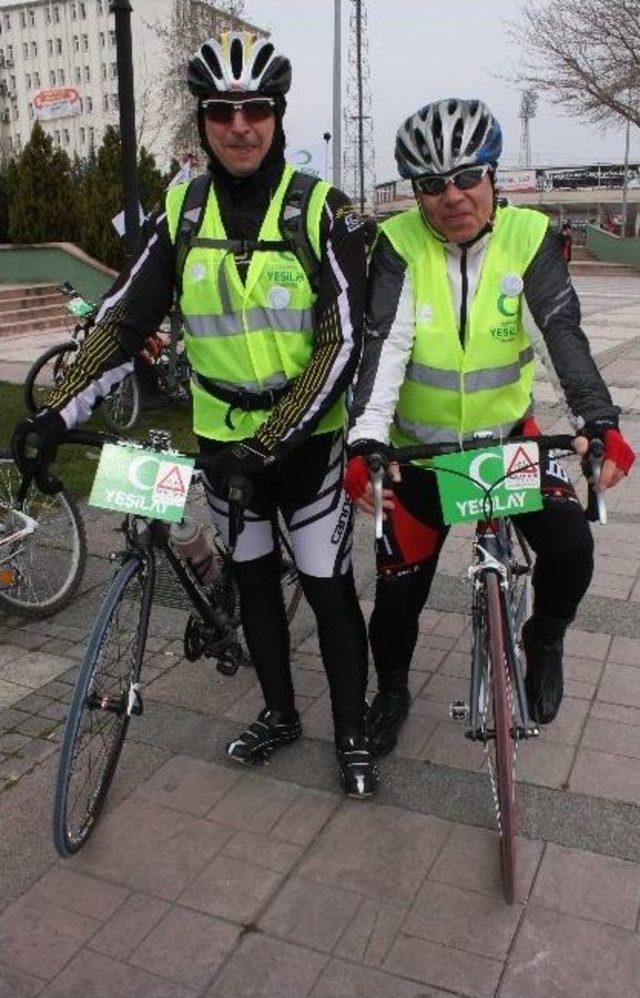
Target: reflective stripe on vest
(426,434)
(451,391)
(249,334)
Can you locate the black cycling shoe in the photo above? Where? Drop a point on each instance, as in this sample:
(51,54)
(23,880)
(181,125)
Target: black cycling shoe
(542,639)
(357,766)
(385,717)
(269,731)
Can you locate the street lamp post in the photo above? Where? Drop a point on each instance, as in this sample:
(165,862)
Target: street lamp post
(122,11)
(625,182)
(327,139)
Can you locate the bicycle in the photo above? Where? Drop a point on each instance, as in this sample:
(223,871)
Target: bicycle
(43,546)
(107,693)
(497,714)
(120,408)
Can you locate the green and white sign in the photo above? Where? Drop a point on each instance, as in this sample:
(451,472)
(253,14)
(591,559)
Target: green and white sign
(144,482)
(510,474)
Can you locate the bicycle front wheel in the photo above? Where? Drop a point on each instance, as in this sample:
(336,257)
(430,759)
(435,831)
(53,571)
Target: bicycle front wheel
(105,696)
(40,574)
(121,407)
(503,777)
(47,372)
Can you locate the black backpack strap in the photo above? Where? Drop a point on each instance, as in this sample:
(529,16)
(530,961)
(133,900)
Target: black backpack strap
(293,225)
(189,222)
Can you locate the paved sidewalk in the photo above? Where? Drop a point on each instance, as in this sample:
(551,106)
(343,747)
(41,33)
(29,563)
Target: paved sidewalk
(205,879)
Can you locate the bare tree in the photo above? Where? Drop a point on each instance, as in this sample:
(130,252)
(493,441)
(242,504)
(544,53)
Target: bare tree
(584,55)
(192,22)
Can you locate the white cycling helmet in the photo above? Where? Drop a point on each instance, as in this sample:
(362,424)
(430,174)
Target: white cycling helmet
(447,135)
(238,61)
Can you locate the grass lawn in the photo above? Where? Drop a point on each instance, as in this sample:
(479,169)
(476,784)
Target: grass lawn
(76,465)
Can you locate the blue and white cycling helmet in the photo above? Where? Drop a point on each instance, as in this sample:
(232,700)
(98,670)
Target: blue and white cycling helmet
(447,135)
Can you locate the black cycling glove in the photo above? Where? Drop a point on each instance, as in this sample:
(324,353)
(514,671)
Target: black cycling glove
(33,446)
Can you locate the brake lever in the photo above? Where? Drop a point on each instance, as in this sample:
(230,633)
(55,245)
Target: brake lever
(596,510)
(376,467)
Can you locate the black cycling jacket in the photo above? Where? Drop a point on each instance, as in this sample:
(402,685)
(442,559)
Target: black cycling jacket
(143,294)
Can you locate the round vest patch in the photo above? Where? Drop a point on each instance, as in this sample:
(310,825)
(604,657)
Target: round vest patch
(198,272)
(278,296)
(511,285)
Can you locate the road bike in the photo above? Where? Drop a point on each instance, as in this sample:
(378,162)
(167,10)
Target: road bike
(497,714)
(43,547)
(108,691)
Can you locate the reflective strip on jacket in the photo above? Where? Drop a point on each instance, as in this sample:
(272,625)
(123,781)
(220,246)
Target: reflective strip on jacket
(450,392)
(254,335)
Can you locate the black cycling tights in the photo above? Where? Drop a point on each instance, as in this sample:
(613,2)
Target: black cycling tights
(341,632)
(561,538)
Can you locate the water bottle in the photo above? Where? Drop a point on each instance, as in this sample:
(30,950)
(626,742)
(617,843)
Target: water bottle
(192,544)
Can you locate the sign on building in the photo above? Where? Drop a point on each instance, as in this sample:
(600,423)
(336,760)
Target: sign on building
(56,102)
(516,180)
(310,159)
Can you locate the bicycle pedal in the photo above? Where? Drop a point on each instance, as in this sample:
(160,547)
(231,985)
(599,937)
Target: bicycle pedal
(228,664)
(458,710)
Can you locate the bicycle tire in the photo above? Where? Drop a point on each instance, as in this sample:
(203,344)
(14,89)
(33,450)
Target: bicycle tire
(35,388)
(104,681)
(50,564)
(121,407)
(502,723)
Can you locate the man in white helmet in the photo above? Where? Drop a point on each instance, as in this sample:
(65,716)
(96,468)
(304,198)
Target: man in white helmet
(459,288)
(269,268)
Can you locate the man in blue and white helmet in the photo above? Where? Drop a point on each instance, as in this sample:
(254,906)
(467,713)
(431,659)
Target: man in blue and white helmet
(459,289)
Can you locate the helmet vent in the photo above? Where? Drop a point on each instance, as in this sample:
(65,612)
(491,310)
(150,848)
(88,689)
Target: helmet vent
(456,138)
(212,61)
(261,61)
(478,135)
(236,58)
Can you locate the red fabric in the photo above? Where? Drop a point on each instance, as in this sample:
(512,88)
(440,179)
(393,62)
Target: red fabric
(617,449)
(356,478)
(530,428)
(411,541)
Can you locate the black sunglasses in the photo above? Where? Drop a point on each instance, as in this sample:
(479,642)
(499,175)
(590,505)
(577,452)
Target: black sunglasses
(464,180)
(223,111)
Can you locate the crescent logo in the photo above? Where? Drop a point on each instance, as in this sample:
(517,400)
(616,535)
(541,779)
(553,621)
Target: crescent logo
(476,466)
(502,308)
(134,472)
(303,157)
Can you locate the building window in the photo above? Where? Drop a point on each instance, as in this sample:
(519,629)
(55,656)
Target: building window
(104,70)
(56,136)
(7,22)
(23,18)
(56,14)
(34,49)
(78,74)
(92,136)
(74,11)
(65,136)
(83,133)
(105,102)
(99,6)
(28,79)
(59,46)
(25,50)
(76,43)
(112,37)
(89,105)
(31,112)
(115,102)
(12,84)
(52,77)
(114,70)
(9,54)
(81,103)
(47,14)
(83,10)
(87,73)
(61,76)
(36,79)
(85,43)
(50,46)
(16,113)
(32,18)
(102,39)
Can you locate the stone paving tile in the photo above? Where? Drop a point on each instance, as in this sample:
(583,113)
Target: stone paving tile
(449,747)
(9,654)
(600,888)
(569,723)
(625,651)
(93,975)
(129,925)
(304,911)
(560,956)
(616,739)
(443,966)
(417,730)
(586,644)
(10,693)
(614,586)
(615,714)
(264,851)
(445,689)
(231,889)
(583,670)
(14,984)
(34,669)
(543,762)
(344,980)
(79,893)
(186,947)
(470,860)
(371,933)
(620,685)
(379,851)
(318,722)
(199,686)
(305,817)
(254,803)
(39,937)
(309,682)
(463,919)
(263,968)
(189,785)
(246,707)
(164,851)
(601,774)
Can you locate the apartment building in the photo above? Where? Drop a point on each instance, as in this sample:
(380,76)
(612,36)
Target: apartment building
(58,64)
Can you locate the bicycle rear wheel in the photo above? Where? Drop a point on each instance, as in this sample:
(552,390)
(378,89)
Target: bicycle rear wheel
(41,574)
(105,696)
(121,407)
(47,372)
(503,777)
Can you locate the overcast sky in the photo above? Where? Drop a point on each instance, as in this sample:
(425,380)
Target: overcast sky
(421,50)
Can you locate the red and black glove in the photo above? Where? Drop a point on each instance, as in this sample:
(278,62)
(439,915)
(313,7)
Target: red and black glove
(616,448)
(357,475)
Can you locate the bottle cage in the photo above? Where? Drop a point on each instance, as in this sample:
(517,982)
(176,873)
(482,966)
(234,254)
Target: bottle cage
(292,224)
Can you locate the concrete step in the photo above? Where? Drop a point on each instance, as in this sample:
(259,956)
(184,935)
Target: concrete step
(12,291)
(52,310)
(33,301)
(26,326)
(601,268)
